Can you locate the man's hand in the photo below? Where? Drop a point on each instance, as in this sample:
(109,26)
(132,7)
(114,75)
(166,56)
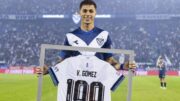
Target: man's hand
(126,65)
(42,70)
(130,65)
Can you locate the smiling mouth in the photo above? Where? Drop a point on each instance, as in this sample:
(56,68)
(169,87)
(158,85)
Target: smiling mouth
(88,18)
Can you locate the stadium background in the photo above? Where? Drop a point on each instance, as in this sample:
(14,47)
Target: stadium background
(149,27)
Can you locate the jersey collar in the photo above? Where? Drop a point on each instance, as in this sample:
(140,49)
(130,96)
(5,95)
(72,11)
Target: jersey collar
(83,31)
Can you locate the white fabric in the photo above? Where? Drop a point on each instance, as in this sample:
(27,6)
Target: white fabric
(75,68)
(97,42)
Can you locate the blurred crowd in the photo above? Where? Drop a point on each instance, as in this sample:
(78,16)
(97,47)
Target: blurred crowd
(149,39)
(104,6)
(20,40)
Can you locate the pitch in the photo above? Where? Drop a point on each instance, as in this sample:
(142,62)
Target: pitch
(145,88)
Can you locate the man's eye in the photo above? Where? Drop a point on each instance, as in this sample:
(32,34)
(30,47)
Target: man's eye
(91,11)
(85,10)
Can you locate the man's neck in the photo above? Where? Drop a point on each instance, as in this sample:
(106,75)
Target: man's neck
(87,27)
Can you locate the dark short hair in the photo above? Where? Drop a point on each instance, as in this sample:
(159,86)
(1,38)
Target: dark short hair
(87,2)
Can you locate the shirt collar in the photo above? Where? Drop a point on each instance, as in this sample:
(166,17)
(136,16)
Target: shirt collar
(87,31)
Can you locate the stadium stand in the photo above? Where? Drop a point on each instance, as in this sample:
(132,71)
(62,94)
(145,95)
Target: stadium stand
(21,39)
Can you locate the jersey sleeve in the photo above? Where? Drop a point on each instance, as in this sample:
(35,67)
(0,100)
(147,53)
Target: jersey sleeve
(114,79)
(107,45)
(64,53)
(57,72)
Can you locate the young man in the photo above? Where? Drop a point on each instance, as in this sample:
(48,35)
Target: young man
(161,64)
(88,35)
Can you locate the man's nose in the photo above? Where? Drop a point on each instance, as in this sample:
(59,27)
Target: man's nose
(87,13)
(87,16)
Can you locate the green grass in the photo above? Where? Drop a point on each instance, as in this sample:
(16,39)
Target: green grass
(18,87)
(146,88)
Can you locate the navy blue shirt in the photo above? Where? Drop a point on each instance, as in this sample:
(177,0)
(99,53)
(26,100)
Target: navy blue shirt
(162,70)
(96,38)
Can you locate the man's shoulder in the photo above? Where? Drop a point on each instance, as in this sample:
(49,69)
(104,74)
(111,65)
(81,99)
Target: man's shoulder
(75,31)
(99,29)
(96,30)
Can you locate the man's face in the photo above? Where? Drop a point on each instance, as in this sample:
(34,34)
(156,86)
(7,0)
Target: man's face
(88,13)
(161,59)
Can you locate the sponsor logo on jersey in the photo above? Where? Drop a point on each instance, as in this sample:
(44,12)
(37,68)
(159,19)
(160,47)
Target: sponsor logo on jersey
(76,42)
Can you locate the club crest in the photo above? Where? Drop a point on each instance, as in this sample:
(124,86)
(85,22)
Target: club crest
(100,41)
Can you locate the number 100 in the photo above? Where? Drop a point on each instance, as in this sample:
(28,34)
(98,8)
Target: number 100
(79,91)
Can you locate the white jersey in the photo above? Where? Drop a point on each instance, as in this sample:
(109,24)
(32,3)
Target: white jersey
(83,78)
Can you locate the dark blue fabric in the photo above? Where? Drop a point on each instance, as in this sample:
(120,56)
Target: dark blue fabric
(117,83)
(53,76)
(87,37)
(162,72)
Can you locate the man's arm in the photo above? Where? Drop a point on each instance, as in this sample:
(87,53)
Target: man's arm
(44,70)
(63,54)
(117,66)
(113,62)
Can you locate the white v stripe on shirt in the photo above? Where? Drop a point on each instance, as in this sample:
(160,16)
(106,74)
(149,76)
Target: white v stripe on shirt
(97,42)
